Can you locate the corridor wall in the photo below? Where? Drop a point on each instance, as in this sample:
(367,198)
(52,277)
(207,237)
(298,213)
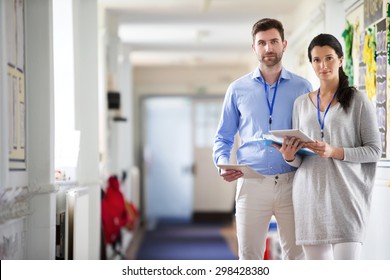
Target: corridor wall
(369,28)
(28,223)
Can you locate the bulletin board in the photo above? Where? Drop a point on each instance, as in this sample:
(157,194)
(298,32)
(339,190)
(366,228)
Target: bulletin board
(381,84)
(16,84)
(388,77)
(370,52)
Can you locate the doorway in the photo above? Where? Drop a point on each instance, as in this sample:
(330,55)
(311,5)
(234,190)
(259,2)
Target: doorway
(179,175)
(167,156)
(213,197)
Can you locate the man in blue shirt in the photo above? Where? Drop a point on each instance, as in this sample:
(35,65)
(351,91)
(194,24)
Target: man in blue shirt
(255,104)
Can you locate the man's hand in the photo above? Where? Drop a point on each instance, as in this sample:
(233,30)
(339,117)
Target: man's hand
(231,175)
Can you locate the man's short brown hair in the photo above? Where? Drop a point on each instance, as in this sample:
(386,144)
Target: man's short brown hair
(267,24)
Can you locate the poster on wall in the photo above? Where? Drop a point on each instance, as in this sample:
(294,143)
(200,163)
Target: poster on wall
(373,11)
(16,84)
(361,82)
(388,77)
(381,82)
(371,61)
(356,18)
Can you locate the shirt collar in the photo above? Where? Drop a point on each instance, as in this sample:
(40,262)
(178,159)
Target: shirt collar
(285,75)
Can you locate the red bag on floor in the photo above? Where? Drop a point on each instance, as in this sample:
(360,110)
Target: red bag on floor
(114,212)
(133,214)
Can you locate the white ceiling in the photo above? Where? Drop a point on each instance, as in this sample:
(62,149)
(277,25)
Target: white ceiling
(195,31)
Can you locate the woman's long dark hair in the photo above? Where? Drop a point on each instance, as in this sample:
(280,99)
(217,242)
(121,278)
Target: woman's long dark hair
(344,91)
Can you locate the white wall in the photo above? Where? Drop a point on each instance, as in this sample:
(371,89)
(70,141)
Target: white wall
(66,138)
(33,236)
(3,102)
(40,133)
(327,16)
(296,58)
(377,240)
(120,155)
(86,112)
(13,243)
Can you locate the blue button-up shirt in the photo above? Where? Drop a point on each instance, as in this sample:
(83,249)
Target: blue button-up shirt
(245,110)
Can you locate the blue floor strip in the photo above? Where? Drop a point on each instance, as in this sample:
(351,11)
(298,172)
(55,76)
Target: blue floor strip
(185,241)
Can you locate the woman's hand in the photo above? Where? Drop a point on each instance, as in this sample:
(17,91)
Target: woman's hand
(290,146)
(325,150)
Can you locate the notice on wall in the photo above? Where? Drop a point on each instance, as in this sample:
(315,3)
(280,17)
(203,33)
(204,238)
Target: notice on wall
(388,78)
(381,82)
(356,18)
(16,85)
(373,11)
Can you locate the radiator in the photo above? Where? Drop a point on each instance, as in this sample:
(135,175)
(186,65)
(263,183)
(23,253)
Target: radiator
(77,224)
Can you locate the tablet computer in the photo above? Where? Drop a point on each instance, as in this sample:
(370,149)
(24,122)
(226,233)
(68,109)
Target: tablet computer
(245,169)
(269,139)
(292,133)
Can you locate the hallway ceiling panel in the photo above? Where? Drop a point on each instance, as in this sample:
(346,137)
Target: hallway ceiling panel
(194,31)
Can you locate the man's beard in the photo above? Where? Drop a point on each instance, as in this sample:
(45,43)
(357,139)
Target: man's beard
(271,61)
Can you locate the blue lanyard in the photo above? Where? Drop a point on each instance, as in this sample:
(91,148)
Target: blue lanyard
(322,123)
(270,105)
